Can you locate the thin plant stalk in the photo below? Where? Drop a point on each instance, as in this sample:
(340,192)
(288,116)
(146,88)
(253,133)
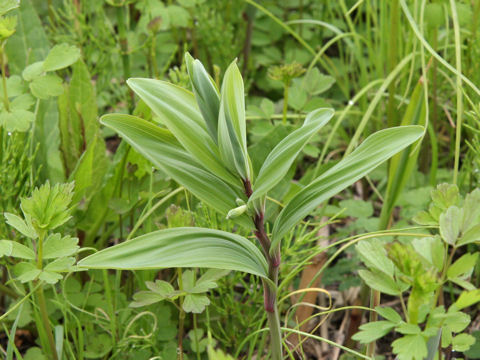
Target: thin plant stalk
(41,300)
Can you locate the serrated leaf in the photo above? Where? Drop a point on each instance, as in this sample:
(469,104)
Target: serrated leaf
(15,249)
(467,298)
(26,271)
(374,255)
(463,266)
(431,249)
(372,331)
(445,195)
(182,247)
(160,147)
(408,329)
(46,86)
(50,277)
(389,314)
(33,71)
(18,223)
(177,109)
(470,236)
(462,342)
(60,265)
(278,162)
(60,57)
(17,120)
(160,287)
(450,222)
(380,282)
(195,303)
(376,149)
(56,246)
(410,347)
(144,298)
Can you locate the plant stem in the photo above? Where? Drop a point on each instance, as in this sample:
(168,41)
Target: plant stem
(6,103)
(285,102)
(41,299)
(181,316)
(269,289)
(122,33)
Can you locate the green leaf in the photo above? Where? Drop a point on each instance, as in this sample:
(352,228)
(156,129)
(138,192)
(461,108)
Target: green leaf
(277,163)
(17,120)
(8,5)
(48,206)
(33,71)
(177,109)
(160,287)
(18,223)
(46,86)
(232,133)
(372,331)
(61,56)
(60,265)
(206,94)
(217,354)
(471,211)
(56,246)
(23,102)
(470,236)
(402,164)
(467,298)
(410,347)
(16,250)
(29,43)
(50,277)
(160,147)
(376,149)
(195,303)
(145,298)
(463,266)
(373,254)
(450,222)
(408,329)
(380,281)
(462,342)
(182,247)
(389,314)
(26,271)
(431,249)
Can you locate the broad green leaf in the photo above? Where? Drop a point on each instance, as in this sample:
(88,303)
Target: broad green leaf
(389,314)
(206,94)
(450,222)
(410,347)
(232,133)
(445,195)
(463,266)
(280,159)
(177,109)
(22,102)
(160,287)
(21,225)
(163,150)
(372,331)
(431,249)
(26,271)
(403,164)
(376,149)
(182,247)
(380,282)
(217,354)
(46,86)
(16,250)
(56,246)
(408,329)
(373,254)
(195,303)
(471,214)
(61,56)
